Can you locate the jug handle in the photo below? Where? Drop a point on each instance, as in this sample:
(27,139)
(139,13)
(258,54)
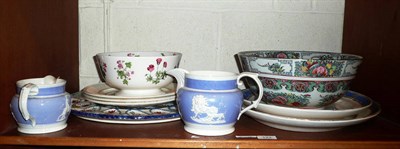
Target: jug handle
(179,75)
(255,103)
(28,89)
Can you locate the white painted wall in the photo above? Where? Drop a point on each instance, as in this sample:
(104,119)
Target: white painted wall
(207,32)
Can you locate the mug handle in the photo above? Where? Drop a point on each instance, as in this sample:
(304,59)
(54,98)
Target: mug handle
(254,103)
(28,89)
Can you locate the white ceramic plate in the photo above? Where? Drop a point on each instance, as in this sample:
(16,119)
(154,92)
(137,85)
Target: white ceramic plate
(349,105)
(130,103)
(159,113)
(136,100)
(310,125)
(103,91)
(134,104)
(129,122)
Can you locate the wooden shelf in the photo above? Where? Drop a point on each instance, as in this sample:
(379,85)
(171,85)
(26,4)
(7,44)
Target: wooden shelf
(375,133)
(49,44)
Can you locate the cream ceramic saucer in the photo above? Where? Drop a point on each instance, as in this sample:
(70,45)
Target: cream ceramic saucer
(149,101)
(126,102)
(116,121)
(158,113)
(349,105)
(136,100)
(103,91)
(312,125)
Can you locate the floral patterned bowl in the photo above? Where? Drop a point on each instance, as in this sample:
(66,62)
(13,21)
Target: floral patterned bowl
(303,92)
(300,63)
(137,73)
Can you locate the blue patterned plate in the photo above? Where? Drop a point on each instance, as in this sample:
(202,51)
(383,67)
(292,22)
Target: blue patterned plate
(158,113)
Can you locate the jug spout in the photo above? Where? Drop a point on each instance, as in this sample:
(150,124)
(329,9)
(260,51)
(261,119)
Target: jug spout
(179,75)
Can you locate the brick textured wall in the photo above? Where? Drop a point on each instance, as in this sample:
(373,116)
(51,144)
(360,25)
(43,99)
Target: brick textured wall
(207,32)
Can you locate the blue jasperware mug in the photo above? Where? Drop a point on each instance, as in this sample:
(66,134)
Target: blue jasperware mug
(210,102)
(41,106)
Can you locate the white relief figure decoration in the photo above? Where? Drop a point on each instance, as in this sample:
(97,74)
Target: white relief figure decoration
(66,110)
(203,113)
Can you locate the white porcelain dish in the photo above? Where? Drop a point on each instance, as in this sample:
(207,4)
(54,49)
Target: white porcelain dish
(134,104)
(349,105)
(310,125)
(137,100)
(103,91)
(127,103)
(116,121)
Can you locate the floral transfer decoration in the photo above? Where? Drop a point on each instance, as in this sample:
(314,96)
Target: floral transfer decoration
(300,92)
(103,69)
(305,86)
(318,68)
(123,71)
(302,55)
(159,74)
(287,99)
(278,54)
(137,55)
(293,100)
(329,99)
(300,63)
(275,68)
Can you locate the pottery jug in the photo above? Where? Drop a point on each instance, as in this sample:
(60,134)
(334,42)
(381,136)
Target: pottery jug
(210,102)
(41,105)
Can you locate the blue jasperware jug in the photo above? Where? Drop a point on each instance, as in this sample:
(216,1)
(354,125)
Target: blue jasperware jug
(41,105)
(210,102)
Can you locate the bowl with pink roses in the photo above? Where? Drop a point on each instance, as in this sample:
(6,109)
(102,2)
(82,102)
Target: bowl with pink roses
(137,73)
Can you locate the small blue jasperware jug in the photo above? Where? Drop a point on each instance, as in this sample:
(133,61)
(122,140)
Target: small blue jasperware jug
(41,105)
(210,102)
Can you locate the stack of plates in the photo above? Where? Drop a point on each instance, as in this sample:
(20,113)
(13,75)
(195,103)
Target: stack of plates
(353,108)
(103,94)
(99,103)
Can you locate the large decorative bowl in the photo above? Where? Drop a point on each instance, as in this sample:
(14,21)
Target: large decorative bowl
(137,73)
(303,92)
(300,63)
